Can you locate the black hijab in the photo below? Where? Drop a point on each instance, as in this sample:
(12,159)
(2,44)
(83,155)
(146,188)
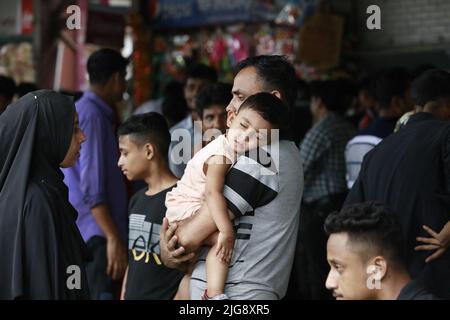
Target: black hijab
(39,239)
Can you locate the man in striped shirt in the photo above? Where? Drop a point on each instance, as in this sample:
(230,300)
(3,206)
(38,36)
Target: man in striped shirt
(263,191)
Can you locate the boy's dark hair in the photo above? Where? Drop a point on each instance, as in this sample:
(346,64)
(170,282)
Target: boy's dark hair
(371,225)
(276,73)
(213,94)
(7,87)
(269,107)
(391,83)
(331,93)
(149,127)
(103,63)
(431,85)
(201,71)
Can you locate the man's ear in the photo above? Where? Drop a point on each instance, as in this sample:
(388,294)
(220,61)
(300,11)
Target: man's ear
(230,118)
(277,94)
(149,150)
(381,267)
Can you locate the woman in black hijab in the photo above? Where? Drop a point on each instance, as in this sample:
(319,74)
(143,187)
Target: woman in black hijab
(42,253)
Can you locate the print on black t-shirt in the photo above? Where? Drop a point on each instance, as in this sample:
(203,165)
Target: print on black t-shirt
(147,277)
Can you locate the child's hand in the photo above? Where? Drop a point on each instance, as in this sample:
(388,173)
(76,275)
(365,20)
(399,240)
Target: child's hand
(225,245)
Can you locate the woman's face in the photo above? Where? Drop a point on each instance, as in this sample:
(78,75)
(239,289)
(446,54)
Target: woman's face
(73,153)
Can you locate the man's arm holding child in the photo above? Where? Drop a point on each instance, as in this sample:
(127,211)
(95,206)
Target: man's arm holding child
(172,256)
(216,170)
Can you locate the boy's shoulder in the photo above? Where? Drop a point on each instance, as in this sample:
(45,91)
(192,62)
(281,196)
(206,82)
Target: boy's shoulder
(140,194)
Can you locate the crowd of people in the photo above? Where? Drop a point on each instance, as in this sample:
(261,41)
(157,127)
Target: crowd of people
(268,188)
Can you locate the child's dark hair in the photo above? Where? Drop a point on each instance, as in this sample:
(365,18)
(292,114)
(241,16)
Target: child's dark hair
(149,127)
(269,107)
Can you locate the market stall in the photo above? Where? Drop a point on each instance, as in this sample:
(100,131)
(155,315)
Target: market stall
(221,34)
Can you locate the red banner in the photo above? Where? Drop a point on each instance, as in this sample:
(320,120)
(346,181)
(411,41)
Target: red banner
(27,17)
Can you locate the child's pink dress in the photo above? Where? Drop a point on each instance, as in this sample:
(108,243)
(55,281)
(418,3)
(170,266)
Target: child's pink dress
(189,195)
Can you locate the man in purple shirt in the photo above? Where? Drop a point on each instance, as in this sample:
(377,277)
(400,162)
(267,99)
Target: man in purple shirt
(96,186)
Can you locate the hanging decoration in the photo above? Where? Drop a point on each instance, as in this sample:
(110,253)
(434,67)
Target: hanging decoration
(141,59)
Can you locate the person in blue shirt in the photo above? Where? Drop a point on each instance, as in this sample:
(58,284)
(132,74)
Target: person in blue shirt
(97,188)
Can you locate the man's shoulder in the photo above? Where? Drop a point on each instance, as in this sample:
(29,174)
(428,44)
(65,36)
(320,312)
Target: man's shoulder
(150,106)
(291,177)
(414,290)
(183,124)
(432,122)
(267,159)
(371,130)
(364,139)
(420,128)
(87,108)
(289,153)
(317,136)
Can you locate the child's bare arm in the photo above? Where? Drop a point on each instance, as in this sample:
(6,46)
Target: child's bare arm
(217,168)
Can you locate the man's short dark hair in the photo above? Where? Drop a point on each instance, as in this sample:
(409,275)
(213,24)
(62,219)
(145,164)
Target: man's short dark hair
(202,71)
(268,106)
(7,87)
(431,85)
(103,63)
(371,225)
(149,127)
(331,92)
(389,84)
(174,105)
(213,94)
(275,73)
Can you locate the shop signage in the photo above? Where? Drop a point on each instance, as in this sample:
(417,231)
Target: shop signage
(105,28)
(16,17)
(194,13)
(320,40)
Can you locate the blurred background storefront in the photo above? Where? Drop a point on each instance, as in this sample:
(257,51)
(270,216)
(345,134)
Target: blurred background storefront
(323,39)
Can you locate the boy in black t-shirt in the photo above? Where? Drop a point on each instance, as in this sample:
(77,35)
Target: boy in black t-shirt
(144,141)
